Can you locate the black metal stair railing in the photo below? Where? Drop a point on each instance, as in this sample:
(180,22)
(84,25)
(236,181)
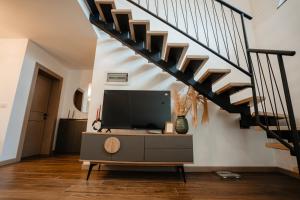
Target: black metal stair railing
(271,84)
(213,24)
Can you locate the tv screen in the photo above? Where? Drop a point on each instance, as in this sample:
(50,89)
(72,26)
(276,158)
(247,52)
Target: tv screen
(135,109)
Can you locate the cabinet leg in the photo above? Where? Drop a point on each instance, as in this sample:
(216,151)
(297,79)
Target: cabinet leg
(181,169)
(90,170)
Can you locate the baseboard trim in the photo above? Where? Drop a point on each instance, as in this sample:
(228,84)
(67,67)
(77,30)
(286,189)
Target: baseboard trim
(8,162)
(232,169)
(190,169)
(195,169)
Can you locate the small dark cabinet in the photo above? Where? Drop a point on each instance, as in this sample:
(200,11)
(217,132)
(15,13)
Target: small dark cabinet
(69,135)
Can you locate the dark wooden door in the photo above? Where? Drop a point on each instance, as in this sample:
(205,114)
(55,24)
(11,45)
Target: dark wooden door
(38,116)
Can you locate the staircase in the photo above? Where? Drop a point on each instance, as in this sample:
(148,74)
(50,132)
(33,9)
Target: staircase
(269,107)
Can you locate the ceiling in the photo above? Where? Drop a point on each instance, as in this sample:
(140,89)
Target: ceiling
(58,26)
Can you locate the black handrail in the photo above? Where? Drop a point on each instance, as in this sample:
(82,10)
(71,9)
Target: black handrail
(235,9)
(192,38)
(274,52)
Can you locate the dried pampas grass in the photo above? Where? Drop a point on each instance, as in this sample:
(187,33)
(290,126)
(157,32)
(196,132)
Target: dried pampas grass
(182,104)
(190,101)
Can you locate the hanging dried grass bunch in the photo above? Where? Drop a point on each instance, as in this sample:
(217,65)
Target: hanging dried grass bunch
(191,101)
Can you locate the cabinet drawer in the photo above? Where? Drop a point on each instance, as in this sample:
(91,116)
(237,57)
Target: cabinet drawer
(169,155)
(131,149)
(92,147)
(169,142)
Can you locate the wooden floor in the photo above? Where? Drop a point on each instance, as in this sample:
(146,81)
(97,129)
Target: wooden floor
(61,178)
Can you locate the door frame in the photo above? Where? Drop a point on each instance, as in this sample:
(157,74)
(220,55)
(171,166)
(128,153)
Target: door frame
(53,106)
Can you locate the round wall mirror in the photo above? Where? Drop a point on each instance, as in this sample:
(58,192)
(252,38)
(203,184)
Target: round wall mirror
(81,101)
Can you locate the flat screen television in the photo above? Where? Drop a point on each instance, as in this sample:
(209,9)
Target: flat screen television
(136,109)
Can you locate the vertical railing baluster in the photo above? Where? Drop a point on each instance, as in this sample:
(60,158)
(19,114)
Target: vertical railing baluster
(222,34)
(166,9)
(224,26)
(184,14)
(235,43)
(175,12)
(193,20)
(280,99)
(156,6)
(272,87)
(196,19)
(215,26)
(202,22)
(261,78)
(267,90)
(212,26)
(292,120)
(241,42)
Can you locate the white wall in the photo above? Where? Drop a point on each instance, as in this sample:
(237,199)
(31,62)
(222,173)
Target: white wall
(20,67)
(33,55)
(12,52)
(280,29)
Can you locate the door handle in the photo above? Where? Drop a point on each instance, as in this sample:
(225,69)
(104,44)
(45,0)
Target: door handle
(45,116)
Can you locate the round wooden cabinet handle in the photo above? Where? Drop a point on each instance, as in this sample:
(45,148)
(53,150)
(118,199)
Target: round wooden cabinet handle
(112,145)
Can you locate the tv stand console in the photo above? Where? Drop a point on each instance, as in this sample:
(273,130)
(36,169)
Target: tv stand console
(137,149)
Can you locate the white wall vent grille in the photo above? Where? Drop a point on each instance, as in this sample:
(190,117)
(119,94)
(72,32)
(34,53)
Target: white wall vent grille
(117,78)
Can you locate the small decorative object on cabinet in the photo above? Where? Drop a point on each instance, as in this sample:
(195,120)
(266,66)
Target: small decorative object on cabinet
(169,128)
(181,125)
(185,103)
(97,123)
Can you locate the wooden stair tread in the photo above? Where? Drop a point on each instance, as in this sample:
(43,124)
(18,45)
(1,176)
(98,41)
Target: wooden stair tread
(116,12)
(189,58)
(137,21)
(209,72)
(179,55)
(105,1)
(248,100)
(121,11)
(231,86)
(142,31)
(269,114)
(106,16)
(157,32)
(275,145)
(172,44)
(164,34)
